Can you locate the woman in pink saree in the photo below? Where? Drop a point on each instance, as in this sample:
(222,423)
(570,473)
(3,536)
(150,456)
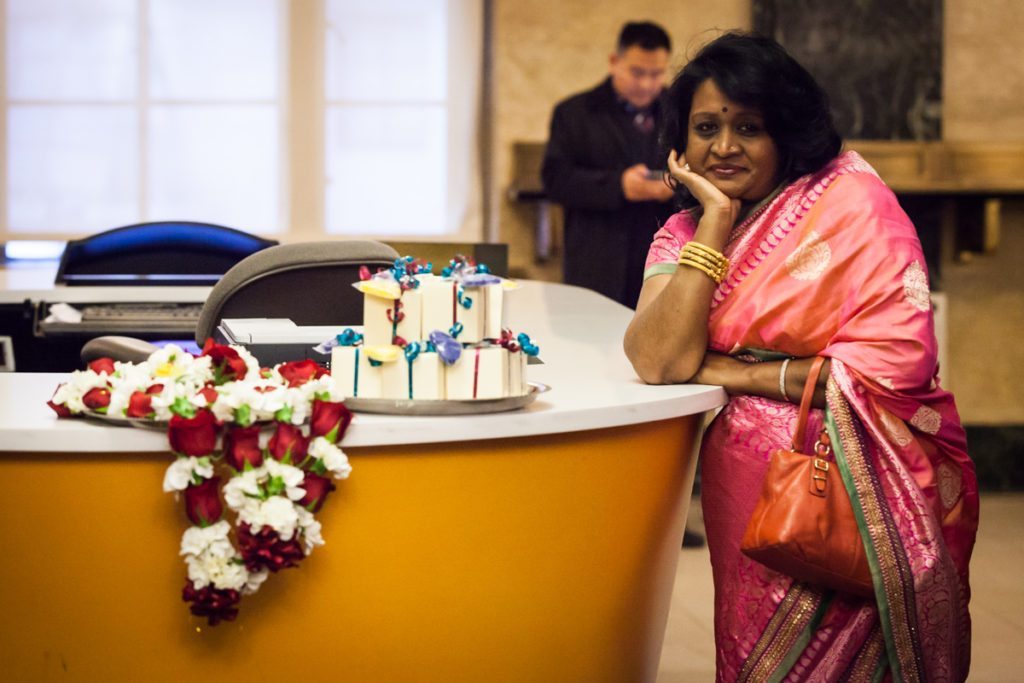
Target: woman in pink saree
(821,262)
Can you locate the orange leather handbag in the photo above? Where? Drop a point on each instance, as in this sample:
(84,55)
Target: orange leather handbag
(803,524)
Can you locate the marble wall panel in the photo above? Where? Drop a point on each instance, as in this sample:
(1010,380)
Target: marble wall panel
(879,61)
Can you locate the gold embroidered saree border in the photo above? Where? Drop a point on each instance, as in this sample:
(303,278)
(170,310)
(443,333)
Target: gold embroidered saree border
(871,661)
(890,570)
(786,634)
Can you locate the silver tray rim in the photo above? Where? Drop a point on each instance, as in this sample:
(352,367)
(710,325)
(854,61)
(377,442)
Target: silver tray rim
(482,406)
(126,421)
(380,406)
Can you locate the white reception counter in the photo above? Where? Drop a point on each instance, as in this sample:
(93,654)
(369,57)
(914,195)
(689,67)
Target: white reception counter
(580,335)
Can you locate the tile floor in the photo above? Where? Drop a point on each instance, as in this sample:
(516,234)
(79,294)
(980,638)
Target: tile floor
(997,603)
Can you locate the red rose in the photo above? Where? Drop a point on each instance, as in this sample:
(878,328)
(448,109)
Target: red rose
(59,408)
(227,364)
(265,549)
(242,445)
(298,372)
(202,502)
(97,398)
(216,604)
(193,436)
(140,405)
(288,444)
(102,365)
(317,488)
(209,393)
(329,420)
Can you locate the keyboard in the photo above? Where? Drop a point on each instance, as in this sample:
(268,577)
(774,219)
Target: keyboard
(126,318)
(142,312)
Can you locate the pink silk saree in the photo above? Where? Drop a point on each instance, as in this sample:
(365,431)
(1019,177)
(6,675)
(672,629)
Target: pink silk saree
(832,266)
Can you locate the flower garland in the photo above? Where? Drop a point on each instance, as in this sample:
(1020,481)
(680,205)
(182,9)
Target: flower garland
(272,432)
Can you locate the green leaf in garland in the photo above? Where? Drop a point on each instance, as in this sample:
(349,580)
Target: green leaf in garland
(183,407)
(243,415)
(275,486)
(284,414)
(203,461)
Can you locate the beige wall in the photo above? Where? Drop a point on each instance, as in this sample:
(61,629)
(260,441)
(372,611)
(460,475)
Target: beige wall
(983,72)
(545,50)
(983,100)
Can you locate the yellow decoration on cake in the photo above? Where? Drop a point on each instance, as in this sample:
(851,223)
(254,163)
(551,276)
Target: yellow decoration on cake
(385,353)
(384,289)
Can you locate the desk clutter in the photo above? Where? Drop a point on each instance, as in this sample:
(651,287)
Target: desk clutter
(432,337)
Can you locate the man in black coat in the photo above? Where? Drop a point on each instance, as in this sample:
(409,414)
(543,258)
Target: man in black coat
(603,165)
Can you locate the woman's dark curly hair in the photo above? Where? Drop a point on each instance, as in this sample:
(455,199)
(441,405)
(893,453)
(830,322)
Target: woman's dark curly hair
(756,71)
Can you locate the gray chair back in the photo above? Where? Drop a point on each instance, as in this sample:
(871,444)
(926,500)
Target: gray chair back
(310,283)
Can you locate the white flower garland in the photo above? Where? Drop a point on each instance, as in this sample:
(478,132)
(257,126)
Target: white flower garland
(264,497)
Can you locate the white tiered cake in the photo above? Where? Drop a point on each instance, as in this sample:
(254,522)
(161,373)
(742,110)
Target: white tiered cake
(432,337)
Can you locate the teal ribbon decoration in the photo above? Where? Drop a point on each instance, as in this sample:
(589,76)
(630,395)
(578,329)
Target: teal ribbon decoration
(529,348)
(349,337)
(412,350)
(355,382)
(465,301)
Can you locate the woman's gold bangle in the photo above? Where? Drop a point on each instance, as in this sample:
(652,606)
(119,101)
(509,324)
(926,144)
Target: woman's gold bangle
(713,274)
(714,264)
(713,253)
(706,255)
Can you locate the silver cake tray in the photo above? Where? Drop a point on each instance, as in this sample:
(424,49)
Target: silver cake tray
(126,421)
(480,406)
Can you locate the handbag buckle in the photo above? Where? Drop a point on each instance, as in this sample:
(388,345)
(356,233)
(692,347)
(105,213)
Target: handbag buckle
(819,477)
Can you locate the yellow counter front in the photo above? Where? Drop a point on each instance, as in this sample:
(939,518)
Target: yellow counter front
(539,545)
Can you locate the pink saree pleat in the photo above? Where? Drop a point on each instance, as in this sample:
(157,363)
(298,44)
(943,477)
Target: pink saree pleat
(831,266)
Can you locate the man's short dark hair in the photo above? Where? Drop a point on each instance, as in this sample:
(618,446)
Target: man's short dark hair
(645,35)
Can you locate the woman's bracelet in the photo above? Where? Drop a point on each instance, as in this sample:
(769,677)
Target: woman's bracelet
(701,247)
(782,380)
(714,274)
(705,252)
(704,258)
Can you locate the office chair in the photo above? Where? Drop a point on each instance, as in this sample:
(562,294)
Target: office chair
(124,349)
(157,253)
(310,283)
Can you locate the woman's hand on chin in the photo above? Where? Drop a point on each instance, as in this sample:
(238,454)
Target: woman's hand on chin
(712,200)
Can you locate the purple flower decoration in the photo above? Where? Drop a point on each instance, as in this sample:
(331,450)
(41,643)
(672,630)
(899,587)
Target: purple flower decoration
(479,279)
(446,346)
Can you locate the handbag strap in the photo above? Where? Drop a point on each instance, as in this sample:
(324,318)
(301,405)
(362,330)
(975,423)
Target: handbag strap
(805,402)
